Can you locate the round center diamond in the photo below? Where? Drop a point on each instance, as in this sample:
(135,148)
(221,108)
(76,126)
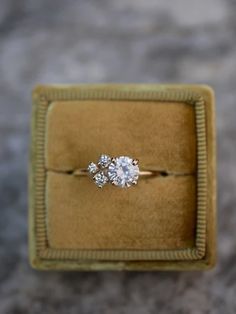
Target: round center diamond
(123,172)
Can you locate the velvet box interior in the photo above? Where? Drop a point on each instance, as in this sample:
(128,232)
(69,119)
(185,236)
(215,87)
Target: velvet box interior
(164,222)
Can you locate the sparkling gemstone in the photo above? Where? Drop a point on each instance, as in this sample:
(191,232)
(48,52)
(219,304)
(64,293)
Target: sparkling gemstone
(123,171)
(104,161)
(92,168)
(100,179)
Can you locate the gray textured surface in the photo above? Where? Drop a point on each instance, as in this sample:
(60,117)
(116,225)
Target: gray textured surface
(113,41)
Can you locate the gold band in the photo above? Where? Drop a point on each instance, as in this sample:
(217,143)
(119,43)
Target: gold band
(142,173)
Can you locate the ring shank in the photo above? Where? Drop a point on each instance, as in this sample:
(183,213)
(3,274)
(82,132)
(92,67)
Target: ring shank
(142,173)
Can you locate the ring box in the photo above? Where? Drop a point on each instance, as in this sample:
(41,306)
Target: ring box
(163,223)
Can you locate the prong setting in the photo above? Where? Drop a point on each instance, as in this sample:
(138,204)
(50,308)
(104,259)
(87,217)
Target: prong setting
(122,172)
(135,162)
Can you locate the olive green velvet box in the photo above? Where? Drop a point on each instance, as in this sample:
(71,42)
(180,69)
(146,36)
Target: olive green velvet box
(164,222)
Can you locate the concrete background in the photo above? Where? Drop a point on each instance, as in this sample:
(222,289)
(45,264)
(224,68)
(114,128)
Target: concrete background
(113,41)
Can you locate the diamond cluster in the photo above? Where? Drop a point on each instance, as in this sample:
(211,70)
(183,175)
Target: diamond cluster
(121,171)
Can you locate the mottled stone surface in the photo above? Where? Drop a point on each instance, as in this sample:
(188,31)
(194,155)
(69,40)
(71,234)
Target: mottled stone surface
(113,41)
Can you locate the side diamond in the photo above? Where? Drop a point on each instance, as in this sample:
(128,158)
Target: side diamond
(100,179)
(92,168)
(104,161)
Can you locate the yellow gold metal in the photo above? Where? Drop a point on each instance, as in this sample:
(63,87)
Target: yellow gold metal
(142,173)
